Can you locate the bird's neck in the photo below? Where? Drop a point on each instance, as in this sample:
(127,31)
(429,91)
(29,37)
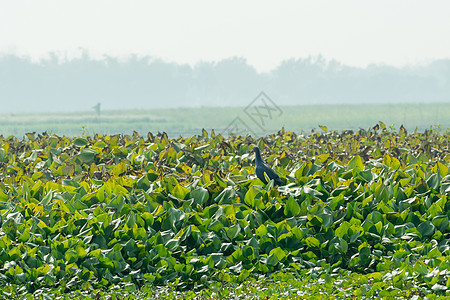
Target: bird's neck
(258,158)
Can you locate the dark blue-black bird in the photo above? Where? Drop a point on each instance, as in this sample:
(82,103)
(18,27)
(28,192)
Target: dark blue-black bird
(262,168)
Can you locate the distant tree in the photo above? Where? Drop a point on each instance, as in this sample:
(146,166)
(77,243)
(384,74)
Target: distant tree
(145,82)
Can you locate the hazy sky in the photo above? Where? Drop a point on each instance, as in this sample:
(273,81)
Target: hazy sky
(355,32)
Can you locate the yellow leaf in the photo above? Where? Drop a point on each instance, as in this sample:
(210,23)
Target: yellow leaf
(119,169)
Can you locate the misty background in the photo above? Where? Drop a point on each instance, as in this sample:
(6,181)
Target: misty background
(53,85)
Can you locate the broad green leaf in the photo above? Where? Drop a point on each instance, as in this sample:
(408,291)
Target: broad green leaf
(30,136)
(280,254)
(426,228)
(200,195)
(443,169)
(143,183)
(291,208)
(80,142)
(10,227)
(180,191)
(87,155)
(71,256)
(272,260)
(312,242)
(356,164)
(251,196)
(420,268)
(434,180)
(120,169)
(233,231)
(131,219)
(46,200)
(327,220)
(172,244)
(366,175)
(391,162)
(117,203)
(148,218)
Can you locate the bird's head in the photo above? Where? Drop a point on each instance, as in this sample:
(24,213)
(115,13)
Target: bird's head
(257,152)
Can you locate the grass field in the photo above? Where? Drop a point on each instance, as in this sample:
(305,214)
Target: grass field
(189,121)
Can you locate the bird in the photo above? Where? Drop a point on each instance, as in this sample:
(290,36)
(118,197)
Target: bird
(262,168)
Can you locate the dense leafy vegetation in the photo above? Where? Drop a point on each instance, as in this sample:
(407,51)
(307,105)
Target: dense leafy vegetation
(362,214)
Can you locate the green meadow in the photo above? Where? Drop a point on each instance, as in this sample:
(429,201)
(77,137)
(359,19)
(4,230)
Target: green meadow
(189,121)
